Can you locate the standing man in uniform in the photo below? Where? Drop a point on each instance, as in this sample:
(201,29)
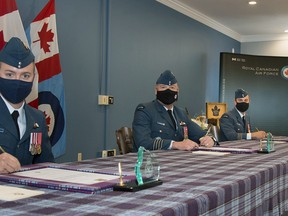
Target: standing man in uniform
(162,125)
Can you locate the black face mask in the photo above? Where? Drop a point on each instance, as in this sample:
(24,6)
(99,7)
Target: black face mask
(14,90)
(242,107)
(167,97)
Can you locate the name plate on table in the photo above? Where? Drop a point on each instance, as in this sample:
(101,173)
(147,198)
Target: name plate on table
(147,171)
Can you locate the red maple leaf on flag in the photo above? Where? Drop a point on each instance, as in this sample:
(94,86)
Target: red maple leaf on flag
(2,42)
(48,120)
(45,36)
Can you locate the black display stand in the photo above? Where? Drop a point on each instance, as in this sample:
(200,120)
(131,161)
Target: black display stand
(133,185)
(265,151)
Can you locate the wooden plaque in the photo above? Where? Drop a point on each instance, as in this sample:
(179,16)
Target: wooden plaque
(215,110)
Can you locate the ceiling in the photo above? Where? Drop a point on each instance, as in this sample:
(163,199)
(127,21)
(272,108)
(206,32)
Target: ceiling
(266,20)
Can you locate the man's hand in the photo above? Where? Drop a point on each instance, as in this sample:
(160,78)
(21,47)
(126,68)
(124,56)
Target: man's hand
(8,163)
(258,135)
(186,144)
(206,141)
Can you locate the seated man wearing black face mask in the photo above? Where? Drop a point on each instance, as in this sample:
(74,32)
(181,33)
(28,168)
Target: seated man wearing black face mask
(23,129)
(155,128)
(235,124)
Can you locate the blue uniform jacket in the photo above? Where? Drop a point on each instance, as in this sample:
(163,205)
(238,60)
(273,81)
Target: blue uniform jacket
(154,129)
(232,127)
(35,122)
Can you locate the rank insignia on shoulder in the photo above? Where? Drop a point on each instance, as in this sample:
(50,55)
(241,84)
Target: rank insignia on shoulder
(140,107)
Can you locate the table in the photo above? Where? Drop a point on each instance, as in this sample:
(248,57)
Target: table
(193,184)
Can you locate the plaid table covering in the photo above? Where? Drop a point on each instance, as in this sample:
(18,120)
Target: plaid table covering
(193,184)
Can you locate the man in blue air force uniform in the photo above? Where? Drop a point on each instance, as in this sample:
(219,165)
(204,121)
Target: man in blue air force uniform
(23,140)
(235,124)
(154,128)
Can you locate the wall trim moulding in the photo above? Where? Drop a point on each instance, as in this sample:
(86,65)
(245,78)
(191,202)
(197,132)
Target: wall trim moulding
(259,38)
(196,15)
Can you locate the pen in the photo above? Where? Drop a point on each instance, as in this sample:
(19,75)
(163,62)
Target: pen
(3,151)
(208,131)
(205,134)
(120,173)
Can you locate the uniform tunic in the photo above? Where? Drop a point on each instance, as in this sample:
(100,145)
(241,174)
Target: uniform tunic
(9,141)
(153,128)
(232,126)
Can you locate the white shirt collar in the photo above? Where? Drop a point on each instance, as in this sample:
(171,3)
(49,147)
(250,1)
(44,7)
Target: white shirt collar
(170,109)
(11,109)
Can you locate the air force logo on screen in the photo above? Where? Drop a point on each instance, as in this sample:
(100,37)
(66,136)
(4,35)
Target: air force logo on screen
(284,72)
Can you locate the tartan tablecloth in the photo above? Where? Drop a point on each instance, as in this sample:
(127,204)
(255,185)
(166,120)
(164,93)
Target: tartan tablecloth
(193,184)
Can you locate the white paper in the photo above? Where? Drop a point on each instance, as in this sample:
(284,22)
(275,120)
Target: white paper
(279,142)
(64,175)
(211,153)
(8,193)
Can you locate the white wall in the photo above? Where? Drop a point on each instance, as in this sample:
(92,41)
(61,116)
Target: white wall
(266,48)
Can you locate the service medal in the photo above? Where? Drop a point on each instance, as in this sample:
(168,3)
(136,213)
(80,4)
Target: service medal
(35,143)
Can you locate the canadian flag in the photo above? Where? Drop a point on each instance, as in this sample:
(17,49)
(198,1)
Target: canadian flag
(10,22)
(42,34)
